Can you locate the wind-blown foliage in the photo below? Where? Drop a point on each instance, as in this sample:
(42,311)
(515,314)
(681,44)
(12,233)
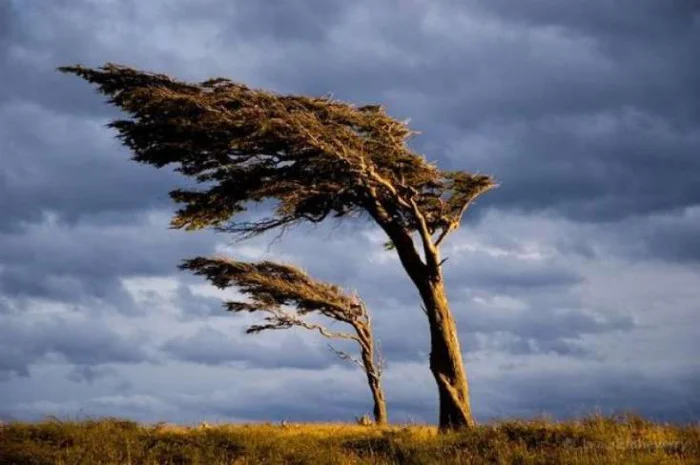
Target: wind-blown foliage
(272,288)
(315,156)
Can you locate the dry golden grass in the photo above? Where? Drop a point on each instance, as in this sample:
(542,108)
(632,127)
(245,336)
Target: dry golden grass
(592,440)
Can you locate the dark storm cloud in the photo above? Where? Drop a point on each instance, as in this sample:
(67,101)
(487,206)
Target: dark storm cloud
(600,167)
(72,263)
(352,255)
(668,397)
(57,155)
(337,396)
(601,122)
(212,347)
(342,395)
(327,408)
(551,321)
(450,66)
(577,67)
(645,20)
(27,339)
(677,239)
(89,374)
(195,306)
(36,38)
(673,237)
(546,324)
(489,328)
(308,21)
(5,22)
(72,167)
(503,274)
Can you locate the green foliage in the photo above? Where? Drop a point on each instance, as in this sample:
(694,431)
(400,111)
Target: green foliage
(593,440)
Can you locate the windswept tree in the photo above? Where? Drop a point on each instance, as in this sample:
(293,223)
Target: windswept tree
(272,288)
(315,157)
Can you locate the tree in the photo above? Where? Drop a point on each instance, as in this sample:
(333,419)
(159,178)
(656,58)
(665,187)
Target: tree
(272,287)
(316,157)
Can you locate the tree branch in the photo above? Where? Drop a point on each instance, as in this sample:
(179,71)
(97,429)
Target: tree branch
(347,357)
(325,332)
(444,233)
(430,251)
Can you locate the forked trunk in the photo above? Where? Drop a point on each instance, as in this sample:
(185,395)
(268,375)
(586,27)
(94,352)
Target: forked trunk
(446,361)
(445,354)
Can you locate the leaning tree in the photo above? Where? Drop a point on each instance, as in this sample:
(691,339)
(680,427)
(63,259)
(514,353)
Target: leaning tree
(273,288)
(316,157)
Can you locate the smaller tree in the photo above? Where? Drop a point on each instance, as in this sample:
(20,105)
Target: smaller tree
(272,288)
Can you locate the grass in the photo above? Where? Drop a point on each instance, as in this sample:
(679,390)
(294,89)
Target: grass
(596,439)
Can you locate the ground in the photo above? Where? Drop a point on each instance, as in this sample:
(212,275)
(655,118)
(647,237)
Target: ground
(595,439)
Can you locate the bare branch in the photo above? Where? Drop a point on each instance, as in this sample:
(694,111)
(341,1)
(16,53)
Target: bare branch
(347,357)
(381,361)
(444,233)
(291,320)
(431,253)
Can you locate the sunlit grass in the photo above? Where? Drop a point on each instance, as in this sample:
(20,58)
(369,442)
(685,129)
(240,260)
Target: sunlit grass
(595,439)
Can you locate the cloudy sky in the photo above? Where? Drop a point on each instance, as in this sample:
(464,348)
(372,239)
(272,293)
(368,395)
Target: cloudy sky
(576,284)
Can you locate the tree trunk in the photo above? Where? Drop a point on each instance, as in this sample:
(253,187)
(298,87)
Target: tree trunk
(445,354)
(446,360)
(380,415)
(372,370)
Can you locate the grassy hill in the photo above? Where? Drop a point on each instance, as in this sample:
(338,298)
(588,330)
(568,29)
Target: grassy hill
(593,440)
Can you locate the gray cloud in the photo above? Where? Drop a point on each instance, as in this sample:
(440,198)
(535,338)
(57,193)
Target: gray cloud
(671,236)
(86,261)
(71,167)
(308,22)
(87,344)
(212,347)
(670,398)
(601,56)
(596,93)
(340,395)
(487,327)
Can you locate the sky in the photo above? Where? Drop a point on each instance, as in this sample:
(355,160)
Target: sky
(575,284)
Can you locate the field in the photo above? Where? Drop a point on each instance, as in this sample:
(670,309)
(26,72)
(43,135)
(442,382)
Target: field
(596,439)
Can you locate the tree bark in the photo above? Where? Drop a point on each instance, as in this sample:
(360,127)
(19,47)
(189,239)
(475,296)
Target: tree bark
(379,411)
(372,370)
(446,361)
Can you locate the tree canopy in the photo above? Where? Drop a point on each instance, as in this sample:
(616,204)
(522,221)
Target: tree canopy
(286,294)
(272,286)
(315,156)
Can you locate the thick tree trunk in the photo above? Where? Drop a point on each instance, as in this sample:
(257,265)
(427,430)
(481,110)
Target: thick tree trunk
(446,360)
(445,354)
